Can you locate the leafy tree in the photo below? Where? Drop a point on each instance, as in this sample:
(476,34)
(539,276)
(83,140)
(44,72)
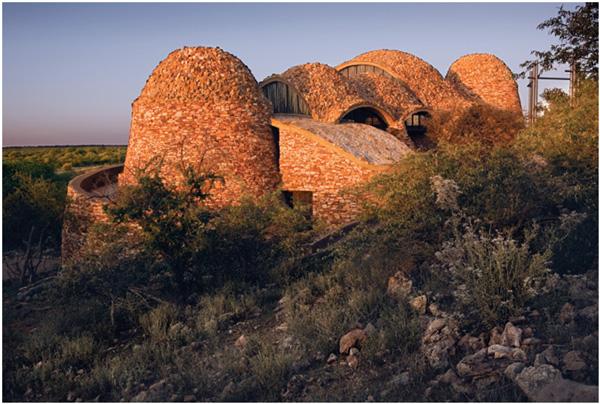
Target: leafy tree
(578,34)
(32,222)
(173,218)
(33,169)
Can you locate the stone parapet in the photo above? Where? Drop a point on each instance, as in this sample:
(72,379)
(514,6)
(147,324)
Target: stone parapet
(87,195)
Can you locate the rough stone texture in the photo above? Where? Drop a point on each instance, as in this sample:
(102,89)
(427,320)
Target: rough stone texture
(201,106)
(438,342)
(387,93)
(310,163)
(511,335)
(485,78)
(87,195)
(399,285)
(327,93)
(420,77)
(564,390)
(544,383)
(365,142)
(420,304)
(533,379)
(352,339)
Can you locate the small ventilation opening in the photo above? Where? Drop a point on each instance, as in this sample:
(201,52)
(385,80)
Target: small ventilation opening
(367,116)
(275,132)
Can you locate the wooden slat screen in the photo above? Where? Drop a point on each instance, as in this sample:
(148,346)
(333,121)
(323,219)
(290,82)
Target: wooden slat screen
(285,99)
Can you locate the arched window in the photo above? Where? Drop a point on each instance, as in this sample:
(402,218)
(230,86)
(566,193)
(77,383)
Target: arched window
(285,99)
(367,116)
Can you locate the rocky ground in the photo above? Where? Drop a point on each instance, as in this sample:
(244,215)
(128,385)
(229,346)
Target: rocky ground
(533,357)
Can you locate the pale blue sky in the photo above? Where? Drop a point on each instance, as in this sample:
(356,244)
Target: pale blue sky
(72,70)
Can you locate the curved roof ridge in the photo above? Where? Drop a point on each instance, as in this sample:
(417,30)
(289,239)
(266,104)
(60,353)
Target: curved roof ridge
(485,78)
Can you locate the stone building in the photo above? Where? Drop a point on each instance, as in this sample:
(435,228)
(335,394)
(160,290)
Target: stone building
(314,130)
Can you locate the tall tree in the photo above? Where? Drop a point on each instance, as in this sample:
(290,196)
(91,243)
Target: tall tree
(578,34)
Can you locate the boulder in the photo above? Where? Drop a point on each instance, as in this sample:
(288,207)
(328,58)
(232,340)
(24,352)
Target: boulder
(475,366)
(495,336)
(533,379)
(353,361)
(511,336)
(513,370)
(438,342)
(370,329)
(573,362)
(564,390)
(351,339)
(498,351)
(420,304)
(517,354)
(399,285)
(548,356)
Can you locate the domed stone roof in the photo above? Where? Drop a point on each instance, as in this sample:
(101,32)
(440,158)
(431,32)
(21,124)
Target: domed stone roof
(422,78)
(326,91)
(386,92)
(485,78)
(202,106)
(200,74)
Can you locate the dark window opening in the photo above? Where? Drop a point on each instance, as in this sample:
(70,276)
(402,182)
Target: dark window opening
(275,132)
(367,116)
(299,199)
(416,129)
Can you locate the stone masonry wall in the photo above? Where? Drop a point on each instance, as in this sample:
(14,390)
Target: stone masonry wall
(202,107)
(81,213)
(310,166)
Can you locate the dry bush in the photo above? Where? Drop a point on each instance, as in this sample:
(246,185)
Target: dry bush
(479,123)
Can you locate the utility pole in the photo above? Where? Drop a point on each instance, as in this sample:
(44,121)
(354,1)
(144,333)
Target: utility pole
(534,76)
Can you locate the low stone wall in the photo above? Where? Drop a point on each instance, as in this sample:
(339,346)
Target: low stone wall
(87,194)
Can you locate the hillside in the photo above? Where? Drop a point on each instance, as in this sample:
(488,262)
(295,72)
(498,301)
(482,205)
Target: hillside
(471,276)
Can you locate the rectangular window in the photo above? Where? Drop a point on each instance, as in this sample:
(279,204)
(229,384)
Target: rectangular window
(297,199)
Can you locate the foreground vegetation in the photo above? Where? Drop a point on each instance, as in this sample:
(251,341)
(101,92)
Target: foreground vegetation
(34,188)
(230,307)
(66,157)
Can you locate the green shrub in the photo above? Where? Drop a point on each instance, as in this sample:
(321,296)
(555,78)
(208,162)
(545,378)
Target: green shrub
(494,277)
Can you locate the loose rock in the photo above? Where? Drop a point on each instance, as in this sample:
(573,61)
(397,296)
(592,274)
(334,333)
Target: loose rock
(351,339)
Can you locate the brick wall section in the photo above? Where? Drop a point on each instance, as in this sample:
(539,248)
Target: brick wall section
(202,106)
(485,78)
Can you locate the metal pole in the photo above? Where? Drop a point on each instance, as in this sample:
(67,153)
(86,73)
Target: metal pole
(572,79)
(535,90)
